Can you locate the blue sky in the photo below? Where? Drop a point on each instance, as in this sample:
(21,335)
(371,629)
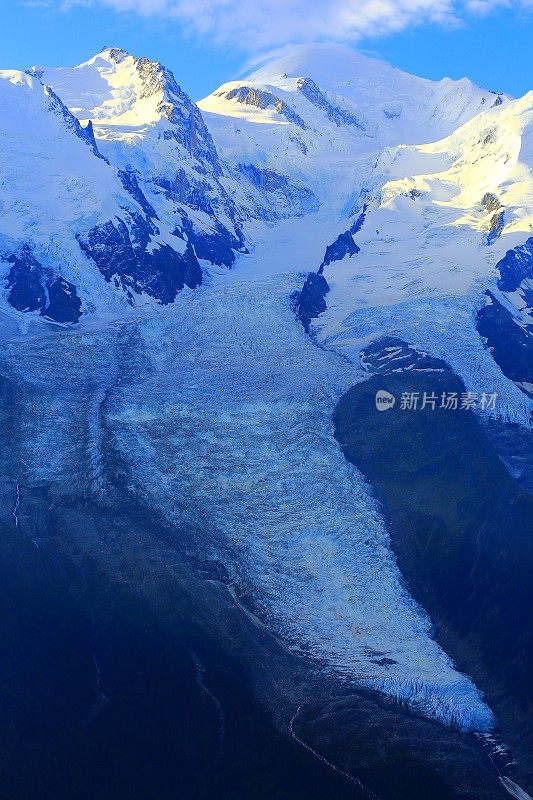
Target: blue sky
(489,41)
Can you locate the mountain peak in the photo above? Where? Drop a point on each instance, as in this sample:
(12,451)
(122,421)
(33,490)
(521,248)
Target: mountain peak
(330,65)
(114,88)
(116,53)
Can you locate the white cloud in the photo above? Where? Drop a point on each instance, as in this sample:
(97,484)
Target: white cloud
(256,24)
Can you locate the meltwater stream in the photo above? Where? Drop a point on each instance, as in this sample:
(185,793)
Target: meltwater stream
(219,412)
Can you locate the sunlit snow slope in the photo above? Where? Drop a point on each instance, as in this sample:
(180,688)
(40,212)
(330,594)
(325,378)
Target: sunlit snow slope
(424,187)
(56,194)
(147,126)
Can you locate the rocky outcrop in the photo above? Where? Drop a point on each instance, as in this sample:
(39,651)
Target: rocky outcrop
(510,343)
(261,98)
(198,194)
(283,197)
(160,272)
(31,287)
(336,114)
(516,269)
(457,522)
(217,247)
(506,320)
(311,301)
(343,246)
(390,354)
(496,226)
(131,185)
(490,203)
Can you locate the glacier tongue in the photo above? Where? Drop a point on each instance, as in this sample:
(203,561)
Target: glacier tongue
(230,433)
(217,413)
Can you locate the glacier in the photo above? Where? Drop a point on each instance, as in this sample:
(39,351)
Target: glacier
(219,410)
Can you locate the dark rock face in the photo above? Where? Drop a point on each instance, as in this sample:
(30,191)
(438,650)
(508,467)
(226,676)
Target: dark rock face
(131,185)
(199,195)
(182,190)
(26,291)
(34,288)
(217,248)
(298,200)
(390,354)
(393,112)
(511,345)
(335,114)
(161,273)
(507,328)
(343,246)
(311,302)
(359,222)
(491,205)
(517,267)
(458,525)
(186,192)
(490,202)
(261,98)
(496,226)
(63,303)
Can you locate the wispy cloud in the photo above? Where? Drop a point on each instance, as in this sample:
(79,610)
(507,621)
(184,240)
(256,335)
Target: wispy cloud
(252,25)
(35,3)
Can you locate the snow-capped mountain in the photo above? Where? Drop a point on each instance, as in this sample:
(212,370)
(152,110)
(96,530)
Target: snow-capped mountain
(320,112)
(423,187)
(73,226)
(327,199)
(148,128)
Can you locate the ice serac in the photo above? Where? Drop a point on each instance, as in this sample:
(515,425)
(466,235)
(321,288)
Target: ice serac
(145,125)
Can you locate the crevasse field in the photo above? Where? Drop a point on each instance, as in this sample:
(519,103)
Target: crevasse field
(219,411)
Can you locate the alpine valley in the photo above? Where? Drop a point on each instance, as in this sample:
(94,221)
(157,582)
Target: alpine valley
(225,572)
